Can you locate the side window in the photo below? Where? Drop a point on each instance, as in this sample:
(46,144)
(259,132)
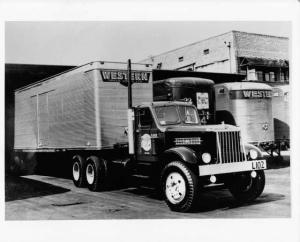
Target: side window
(221,90)
(145,117)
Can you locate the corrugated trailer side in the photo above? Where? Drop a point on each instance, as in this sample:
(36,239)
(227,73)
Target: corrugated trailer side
(57,113)
(281,114)
(253,114)
(74,110)
(113,104)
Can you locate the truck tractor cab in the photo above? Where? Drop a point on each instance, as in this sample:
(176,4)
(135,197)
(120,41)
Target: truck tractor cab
(188,155)
(199,91)
(153,122)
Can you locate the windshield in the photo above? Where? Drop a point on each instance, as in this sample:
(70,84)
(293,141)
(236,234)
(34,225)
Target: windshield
(167,115)
(188,114)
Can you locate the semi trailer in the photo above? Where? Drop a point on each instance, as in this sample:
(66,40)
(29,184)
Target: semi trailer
(248,105)
(280,102)
(106,118)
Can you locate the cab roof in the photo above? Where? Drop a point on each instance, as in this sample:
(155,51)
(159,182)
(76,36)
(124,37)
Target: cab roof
(186,81)
(165,103)
(244,86)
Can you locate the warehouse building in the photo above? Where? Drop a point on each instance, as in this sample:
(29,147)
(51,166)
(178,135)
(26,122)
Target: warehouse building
(260,57)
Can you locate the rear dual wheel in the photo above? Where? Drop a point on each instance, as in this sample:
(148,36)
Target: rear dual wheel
(78,168)
(90,172)
(96,173)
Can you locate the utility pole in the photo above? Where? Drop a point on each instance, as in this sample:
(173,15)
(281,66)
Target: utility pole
(229,52)
(129,85)
(130,112)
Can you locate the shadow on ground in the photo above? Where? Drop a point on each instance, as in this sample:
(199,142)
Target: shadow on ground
(277,162)
(209,202)
(17,188)
(211,199)
(55,165)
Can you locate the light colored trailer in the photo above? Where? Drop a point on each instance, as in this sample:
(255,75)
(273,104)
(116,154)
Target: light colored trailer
(248,105)
(281,114)
(84,108)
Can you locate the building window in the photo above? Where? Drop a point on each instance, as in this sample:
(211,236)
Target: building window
(259,76)
(281,76)
(286,74)
(180,59)
(206,52)
(267,77)
(159,65)
(221,91)
(272,77)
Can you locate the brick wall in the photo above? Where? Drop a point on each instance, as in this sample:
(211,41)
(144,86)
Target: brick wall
(261,46)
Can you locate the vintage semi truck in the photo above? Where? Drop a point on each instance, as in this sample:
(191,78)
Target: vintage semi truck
(87,114)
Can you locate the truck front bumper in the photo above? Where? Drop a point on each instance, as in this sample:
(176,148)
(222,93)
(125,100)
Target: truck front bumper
(224,168)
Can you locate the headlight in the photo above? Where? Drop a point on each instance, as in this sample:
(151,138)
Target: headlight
(206,158)
(253,154)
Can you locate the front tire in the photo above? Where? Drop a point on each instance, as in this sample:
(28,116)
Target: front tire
(245,188)
(96,173)
(179,186)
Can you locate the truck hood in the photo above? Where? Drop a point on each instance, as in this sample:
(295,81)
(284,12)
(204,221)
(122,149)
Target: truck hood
(202,128)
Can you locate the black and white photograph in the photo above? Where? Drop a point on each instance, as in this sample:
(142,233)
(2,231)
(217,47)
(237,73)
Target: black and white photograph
(144,120)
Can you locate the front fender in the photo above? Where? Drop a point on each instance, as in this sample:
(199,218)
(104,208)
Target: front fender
(248,147)
(182,153)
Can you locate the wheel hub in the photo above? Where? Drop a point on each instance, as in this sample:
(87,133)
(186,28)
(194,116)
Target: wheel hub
(76,171)
(90,174)
(175,187)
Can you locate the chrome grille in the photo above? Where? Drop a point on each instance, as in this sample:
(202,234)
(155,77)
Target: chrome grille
(229,147)
(188,141)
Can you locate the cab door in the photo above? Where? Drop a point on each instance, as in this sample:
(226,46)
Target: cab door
(146,135)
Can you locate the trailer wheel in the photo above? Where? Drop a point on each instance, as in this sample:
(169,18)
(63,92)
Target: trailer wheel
(245,188)
(78,168)
(96,173)
(16,165)
(179,186)
(23,163)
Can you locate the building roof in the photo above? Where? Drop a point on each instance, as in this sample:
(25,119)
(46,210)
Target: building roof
(262,45)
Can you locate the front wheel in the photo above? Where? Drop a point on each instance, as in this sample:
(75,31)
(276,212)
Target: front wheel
(246,188)
(180,187)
